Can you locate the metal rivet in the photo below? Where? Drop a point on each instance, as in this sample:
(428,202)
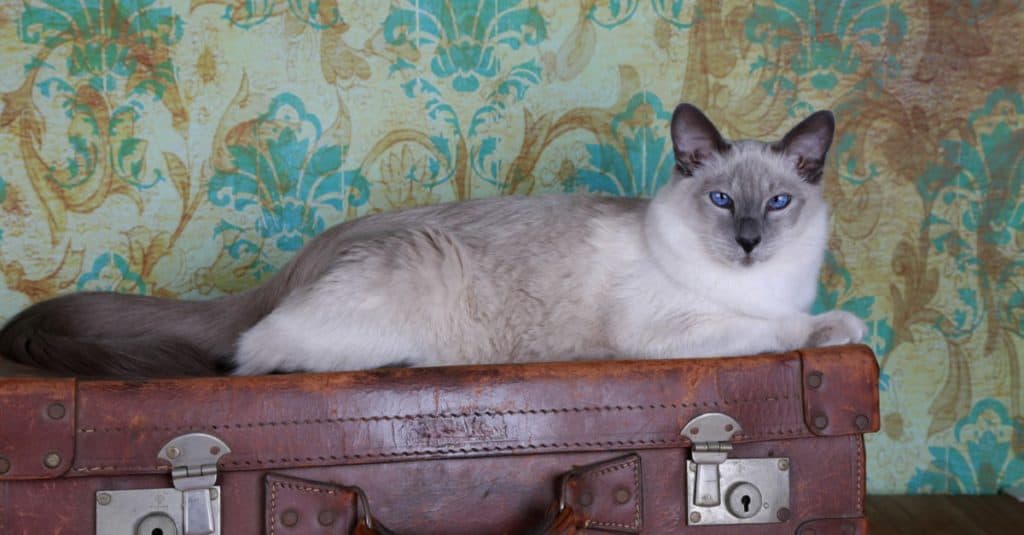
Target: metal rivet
(173,452)
(5,465)
(214,494)
(52,460)
(814,379)
(783,514)
(783,464)
(821,421)
(694,517)
(214,450)
(694,430)
(861,422)
(326,518)
(289,518)
(103,498)
(56,411)
(728,428)
(586,498)
(622,496)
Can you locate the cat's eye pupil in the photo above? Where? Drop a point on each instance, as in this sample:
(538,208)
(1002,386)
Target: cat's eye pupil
(720,199)
(779,202)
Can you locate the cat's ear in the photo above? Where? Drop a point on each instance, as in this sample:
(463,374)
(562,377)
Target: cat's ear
(807,144)
(694,138)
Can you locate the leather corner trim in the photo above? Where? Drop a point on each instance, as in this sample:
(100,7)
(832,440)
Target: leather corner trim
(37,438)
(834,526)
(608,496)
(840,390)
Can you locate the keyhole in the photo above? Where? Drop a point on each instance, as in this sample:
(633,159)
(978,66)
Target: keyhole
(745,500)
(158,531)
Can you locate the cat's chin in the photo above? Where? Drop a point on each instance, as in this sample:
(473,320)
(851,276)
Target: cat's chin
(749,261)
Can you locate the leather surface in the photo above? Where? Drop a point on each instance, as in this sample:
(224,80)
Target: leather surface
(835,526)
(840,390)
(291,421)
(37,427)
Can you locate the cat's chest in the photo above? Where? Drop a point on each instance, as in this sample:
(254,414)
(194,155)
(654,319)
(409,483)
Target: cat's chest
(762,292)
(767,291)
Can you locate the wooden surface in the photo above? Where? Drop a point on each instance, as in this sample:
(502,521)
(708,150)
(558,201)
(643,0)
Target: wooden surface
(931,515)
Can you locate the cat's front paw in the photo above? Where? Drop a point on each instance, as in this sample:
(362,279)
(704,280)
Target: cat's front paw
(836,328)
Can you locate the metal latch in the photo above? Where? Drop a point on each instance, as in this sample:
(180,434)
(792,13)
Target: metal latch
(191,508)
(756,490)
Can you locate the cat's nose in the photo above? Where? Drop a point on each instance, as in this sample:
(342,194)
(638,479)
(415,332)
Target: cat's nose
(748,234)
(748,243)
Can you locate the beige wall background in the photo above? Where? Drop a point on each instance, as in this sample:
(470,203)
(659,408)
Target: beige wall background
(186,149)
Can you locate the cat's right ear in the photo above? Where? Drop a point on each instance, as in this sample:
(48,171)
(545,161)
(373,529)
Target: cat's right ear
(694,138)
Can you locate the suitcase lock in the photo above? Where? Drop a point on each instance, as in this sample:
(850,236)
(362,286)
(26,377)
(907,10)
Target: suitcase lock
(756,490)
(192,507)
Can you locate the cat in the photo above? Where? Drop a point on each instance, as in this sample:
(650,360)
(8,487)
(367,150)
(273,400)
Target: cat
(723,260)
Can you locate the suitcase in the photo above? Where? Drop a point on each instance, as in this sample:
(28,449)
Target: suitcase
(756,444)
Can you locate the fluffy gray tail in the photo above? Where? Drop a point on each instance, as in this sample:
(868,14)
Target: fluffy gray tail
(111,335)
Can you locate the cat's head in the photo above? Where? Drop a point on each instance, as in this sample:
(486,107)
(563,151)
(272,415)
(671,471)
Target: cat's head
(748,201)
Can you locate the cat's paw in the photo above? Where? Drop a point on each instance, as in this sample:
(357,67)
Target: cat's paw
(836,328)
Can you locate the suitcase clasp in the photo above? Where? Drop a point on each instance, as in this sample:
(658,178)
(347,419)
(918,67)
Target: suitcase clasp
(757,490)
(193,459)
(192,507)
(710,435)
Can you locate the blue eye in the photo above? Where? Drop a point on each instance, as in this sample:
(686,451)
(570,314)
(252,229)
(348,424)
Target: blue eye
(720,199)
(779,202)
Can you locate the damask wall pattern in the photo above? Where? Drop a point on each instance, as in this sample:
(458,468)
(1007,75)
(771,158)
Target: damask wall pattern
(187,149)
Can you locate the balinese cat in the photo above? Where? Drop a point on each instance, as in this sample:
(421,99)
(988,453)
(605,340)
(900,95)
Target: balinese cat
(724,260)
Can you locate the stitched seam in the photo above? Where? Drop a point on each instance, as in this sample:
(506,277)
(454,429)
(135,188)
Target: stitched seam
(560,410)
(608,470)
(636,493)
(637,514)
(859,473)
(305,488)
(443,451)
(273,507)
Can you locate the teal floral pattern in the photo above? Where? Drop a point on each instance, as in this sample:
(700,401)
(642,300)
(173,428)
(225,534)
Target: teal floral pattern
(465,34)
(288,178)
(978,216)
(111,273)
(317,14)
(837,291)
(980,461)
(617,12)
(117,62)
(639,161)
(824,41)
(102,35)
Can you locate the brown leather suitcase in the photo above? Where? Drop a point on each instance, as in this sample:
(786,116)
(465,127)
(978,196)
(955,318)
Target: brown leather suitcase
(760,444)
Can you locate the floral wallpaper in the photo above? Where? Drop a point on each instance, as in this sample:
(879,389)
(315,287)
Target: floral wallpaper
(188,148)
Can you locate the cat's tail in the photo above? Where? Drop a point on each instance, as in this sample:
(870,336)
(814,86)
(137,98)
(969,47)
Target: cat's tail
(115,335)
(112,335)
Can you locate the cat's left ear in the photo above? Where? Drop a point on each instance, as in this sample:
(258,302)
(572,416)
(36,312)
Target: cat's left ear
(807,144)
